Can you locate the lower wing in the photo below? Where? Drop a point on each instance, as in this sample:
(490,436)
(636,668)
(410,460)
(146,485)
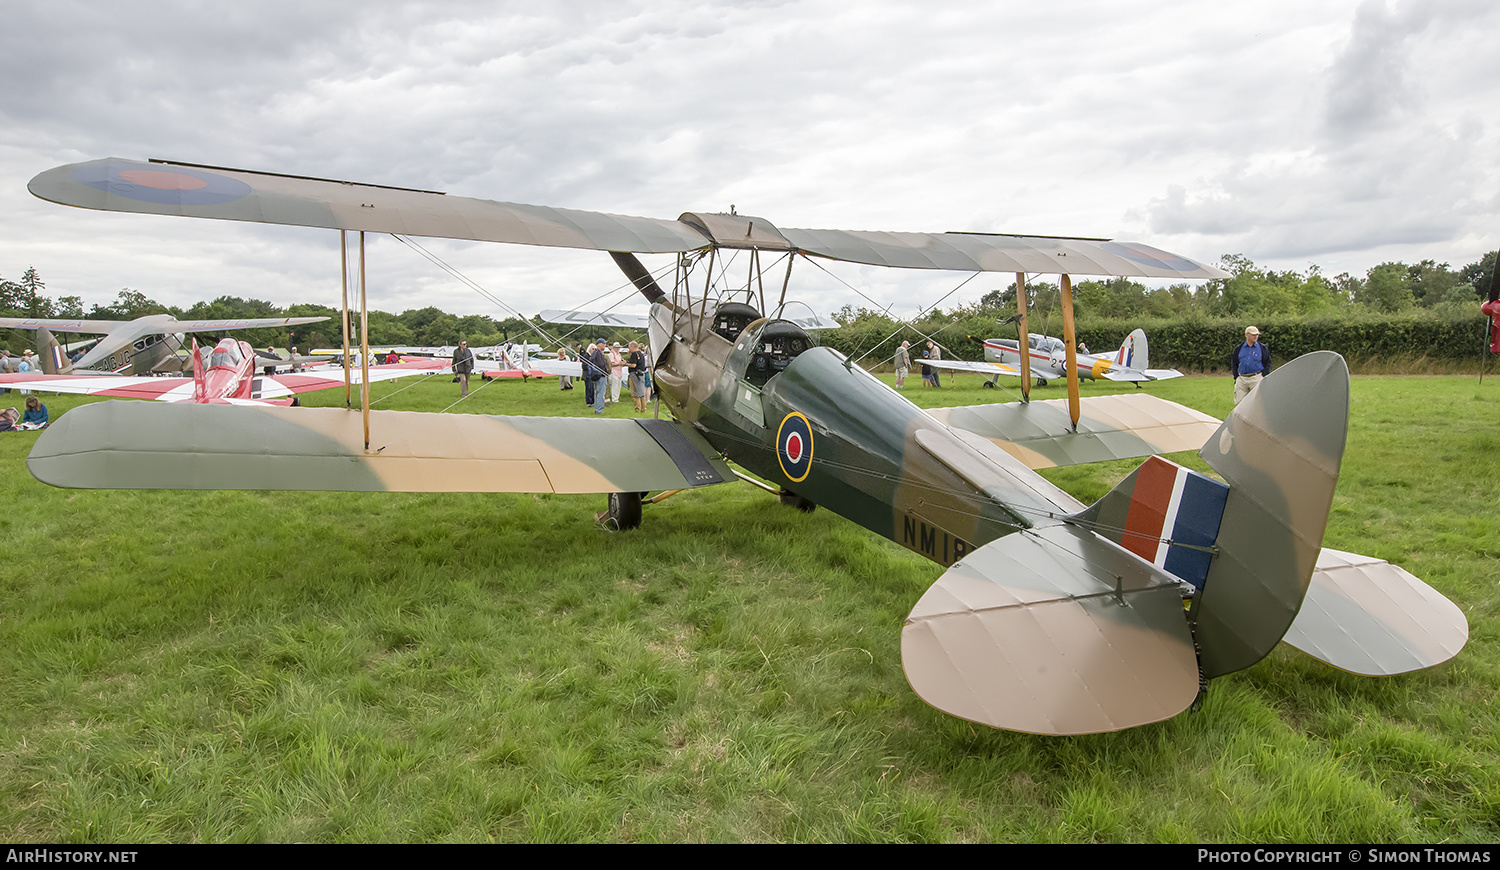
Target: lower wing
(281,385)
(958,365)
(128,445)
(1134,376)
(1110,427)
(161,389)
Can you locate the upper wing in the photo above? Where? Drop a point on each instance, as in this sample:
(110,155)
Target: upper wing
(127,445)
(66,324)
(594,318)
(239,323)
(985,252)
(1111,427)
(114,184)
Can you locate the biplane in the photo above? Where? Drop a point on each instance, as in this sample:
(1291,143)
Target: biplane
(1048,358)
(227,374)
(1050,616)
(142,346)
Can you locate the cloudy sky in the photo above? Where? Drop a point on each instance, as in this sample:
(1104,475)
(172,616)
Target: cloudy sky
(1336,133)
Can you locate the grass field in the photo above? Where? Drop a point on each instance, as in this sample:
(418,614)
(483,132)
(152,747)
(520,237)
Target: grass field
(247,666)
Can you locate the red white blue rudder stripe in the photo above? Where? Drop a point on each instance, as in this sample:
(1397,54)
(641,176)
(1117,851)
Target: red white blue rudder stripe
(1167,515)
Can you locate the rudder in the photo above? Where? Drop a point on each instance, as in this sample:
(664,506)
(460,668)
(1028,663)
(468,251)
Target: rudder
(1249,547)
(50,353)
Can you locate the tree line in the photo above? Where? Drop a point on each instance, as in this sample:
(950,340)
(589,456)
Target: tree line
(1425,291)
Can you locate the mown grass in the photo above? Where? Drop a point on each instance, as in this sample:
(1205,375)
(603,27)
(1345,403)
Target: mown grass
(332,667)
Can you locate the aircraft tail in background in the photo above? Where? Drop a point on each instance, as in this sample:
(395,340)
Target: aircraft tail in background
(54,361)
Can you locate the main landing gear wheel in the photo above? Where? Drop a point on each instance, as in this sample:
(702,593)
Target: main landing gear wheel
(1041,382)
(624,511)
(989,385)
(791,499)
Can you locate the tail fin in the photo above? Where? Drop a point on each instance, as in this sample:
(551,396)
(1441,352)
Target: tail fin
(1133,352)
(52,358)
(1253,555)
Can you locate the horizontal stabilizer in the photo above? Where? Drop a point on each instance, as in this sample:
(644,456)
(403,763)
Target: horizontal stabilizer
(1367,616)
(1111,427)
(128,445)
(1054,631)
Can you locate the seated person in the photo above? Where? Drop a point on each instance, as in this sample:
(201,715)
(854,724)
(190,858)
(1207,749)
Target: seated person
(8,420)
(36,414)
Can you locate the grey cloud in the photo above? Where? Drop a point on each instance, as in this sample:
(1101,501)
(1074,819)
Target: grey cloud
(867,116)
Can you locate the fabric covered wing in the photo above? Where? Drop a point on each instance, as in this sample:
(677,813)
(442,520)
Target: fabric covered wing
(981,252)
(291,383)
(1054,631)
(115,184)
(1111,427)
(958,365)
(91,327)
(593,318)
(120,387)
(126,445)
(1367,616)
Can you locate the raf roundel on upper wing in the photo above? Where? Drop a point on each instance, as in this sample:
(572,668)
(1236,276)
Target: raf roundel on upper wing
(794,447)
(1149,256)
(165,186)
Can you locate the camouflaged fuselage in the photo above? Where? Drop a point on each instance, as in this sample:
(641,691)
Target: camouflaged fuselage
(828,431)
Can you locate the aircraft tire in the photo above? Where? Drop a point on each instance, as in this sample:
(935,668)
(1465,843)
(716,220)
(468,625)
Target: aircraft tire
(1041,382)
(989,385)
(791,499)
(625,510)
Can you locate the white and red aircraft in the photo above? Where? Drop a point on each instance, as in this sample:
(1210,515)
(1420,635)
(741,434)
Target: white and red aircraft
(226,377)
(1048,360)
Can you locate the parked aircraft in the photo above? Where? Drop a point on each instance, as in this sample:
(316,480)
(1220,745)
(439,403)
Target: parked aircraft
(226,376)
(499,361)
(1051,617)
(1049,360)
(140,346)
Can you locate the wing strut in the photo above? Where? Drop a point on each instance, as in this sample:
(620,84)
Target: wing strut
(344,276)
(1025,344)
(364,342)
(1070,348)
